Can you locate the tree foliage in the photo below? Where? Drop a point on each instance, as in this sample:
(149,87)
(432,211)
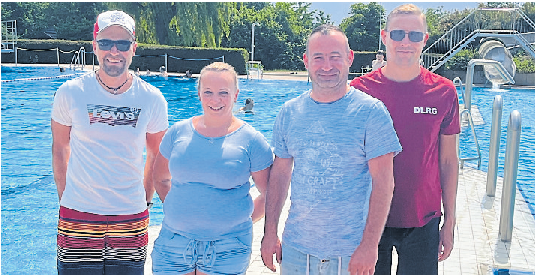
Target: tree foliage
(363,26)
(460,61)
(71,20)
(280,37)
(190,24)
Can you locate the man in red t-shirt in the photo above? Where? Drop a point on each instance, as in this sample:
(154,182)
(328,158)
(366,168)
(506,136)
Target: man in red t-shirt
(425,111)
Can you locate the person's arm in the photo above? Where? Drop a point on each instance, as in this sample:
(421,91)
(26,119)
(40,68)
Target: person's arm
(153,149)
(61,151)
(260,179)
(277,191)
(161,176)
(365,256)
(449,174)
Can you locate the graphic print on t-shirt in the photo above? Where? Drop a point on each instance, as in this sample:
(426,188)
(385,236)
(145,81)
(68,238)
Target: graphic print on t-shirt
(112,115)
(321,161)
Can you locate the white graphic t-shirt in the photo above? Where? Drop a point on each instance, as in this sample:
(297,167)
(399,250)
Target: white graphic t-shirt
(108,137)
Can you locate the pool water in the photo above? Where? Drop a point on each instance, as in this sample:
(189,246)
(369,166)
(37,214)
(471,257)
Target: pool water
(522,100)
(29,197)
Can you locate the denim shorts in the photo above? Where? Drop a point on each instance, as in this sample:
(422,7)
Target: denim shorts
(175,254)
(295,262)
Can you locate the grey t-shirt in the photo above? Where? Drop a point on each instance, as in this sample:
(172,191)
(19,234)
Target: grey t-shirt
(331,144)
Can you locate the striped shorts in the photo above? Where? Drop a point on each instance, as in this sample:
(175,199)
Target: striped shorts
(90,242)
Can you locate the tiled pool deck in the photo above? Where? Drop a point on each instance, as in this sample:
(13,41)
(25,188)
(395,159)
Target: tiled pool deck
(478,248)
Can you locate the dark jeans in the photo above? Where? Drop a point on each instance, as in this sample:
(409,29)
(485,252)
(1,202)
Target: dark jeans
(107,267)
(417,250)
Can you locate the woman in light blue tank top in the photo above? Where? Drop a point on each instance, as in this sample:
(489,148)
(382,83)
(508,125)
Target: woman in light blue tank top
(202,176)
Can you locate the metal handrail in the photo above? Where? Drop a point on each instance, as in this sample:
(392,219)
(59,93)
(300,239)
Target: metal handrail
(510,172)
(525,44)
(78,59)
(470,75)
(250,67)
(526,18)
(448,33)
(458,81)
(466,31)
(494,145)
(478,158)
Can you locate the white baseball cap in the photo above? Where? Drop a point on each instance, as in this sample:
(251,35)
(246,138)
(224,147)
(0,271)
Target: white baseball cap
(111,18)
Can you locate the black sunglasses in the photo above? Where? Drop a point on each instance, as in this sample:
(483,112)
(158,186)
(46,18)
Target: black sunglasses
(122,45)
(399,35)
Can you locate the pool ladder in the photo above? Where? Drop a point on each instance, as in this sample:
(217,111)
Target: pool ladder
(514,129)
(466,113)
(78,59)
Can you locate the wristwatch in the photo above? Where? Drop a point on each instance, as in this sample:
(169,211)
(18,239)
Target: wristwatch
(149,205)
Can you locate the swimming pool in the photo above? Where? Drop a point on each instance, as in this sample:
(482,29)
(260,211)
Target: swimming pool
(29,197)
(522,100)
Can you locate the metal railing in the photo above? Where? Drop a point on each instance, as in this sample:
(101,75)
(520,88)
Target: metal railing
(254,66)
(9,36)
(510,172)
(494,145)
(468,114)
(78,59)
(470,76)
(508,22)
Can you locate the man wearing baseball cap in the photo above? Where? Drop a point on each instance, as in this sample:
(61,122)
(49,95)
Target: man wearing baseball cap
(101,124)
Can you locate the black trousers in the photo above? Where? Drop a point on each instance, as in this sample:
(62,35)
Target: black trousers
(417,250)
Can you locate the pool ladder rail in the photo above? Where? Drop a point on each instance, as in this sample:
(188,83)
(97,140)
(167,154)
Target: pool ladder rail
(78,59)
(466,114)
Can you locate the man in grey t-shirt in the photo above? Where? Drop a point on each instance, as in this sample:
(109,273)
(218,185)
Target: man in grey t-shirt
(336,145)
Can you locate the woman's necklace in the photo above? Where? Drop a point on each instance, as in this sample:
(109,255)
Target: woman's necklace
(111,88)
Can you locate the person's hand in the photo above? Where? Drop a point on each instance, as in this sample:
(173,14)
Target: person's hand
(271,245)
(445,245)
(363,260)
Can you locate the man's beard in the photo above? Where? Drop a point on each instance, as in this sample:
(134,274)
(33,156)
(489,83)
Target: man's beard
(114,70)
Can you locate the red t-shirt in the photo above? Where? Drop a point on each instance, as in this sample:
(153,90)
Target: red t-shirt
(422,109)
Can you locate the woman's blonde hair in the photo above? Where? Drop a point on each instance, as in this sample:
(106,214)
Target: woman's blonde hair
(218,67)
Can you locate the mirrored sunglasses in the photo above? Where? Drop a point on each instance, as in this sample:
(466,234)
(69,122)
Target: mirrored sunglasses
(399,35)
(122,45)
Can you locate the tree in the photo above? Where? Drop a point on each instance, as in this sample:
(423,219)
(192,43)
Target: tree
(363,27)
(71,20)
(529,9)
(26,14)
(280,39)
(195,24)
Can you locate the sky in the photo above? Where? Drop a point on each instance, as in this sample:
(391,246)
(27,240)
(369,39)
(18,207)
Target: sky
(340,10)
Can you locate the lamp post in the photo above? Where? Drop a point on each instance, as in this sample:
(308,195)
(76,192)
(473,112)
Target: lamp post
(380,21)
(252,41)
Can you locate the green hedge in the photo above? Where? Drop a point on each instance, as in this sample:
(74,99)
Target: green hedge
(147,56)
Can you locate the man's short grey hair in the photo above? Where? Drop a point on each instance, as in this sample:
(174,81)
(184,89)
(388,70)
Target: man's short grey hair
(326,29)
